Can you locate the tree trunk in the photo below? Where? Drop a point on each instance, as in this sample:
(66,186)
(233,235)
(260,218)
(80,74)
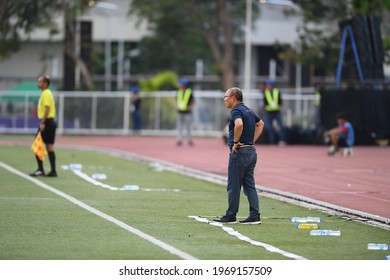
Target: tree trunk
(70,49)
(222,55)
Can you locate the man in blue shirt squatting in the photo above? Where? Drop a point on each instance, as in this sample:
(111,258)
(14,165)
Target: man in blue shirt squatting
(245,127)
(341,136)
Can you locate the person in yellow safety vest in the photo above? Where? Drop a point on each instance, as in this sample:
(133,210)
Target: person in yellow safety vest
(185,101)
(317,97)
(273,106)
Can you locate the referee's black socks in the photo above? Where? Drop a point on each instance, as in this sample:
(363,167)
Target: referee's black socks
(40,164)
(52,158)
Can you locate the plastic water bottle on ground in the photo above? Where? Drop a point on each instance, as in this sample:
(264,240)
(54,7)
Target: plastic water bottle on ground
(99,176)
(314,219)
(325,232)
(157,167)
(75,166)
(130,188)
(308,226)
(306,220)
(298,220)
(378,246)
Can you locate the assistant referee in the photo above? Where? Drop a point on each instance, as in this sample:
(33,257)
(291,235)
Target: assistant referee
(47,126)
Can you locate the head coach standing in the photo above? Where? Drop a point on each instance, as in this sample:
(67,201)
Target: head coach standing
(47,126)
(245,127)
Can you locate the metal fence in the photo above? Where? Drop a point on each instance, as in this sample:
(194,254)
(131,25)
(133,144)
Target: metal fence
(102,113)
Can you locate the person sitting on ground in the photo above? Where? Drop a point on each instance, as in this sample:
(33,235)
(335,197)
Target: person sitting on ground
(341,136)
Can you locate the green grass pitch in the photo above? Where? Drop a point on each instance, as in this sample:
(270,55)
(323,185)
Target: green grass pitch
(38,224)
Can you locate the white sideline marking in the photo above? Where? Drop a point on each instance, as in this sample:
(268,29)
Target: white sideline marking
(242,237)
(119,223)
(95,182)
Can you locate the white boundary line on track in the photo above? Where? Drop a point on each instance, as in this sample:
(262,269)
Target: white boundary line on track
(109,218)
(244,238)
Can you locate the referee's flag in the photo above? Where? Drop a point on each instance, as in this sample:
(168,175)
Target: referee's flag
(38,147)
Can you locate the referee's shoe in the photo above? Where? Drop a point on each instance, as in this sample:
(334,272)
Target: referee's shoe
(37,173)
(52,174)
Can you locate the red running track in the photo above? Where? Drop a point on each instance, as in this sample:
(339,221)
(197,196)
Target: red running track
(360,182)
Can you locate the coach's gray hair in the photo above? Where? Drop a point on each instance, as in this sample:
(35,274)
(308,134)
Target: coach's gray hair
(237,93)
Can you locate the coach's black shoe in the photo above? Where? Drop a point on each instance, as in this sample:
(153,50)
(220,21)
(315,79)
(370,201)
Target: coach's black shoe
(251,221)
(226,219)
(52,174)
(37,173)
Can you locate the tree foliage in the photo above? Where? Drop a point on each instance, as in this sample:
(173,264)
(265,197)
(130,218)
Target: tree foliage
(175,43)
(24,16)
(17,17)
(184,30)
(166,80)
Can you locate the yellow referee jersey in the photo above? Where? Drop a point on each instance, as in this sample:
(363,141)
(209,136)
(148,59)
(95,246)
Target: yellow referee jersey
(46,99)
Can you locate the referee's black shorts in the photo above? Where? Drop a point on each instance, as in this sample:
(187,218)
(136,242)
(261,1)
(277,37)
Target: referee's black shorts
(49,134)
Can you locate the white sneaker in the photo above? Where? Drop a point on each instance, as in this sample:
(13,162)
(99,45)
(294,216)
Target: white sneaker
(347,152)
(332,150)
